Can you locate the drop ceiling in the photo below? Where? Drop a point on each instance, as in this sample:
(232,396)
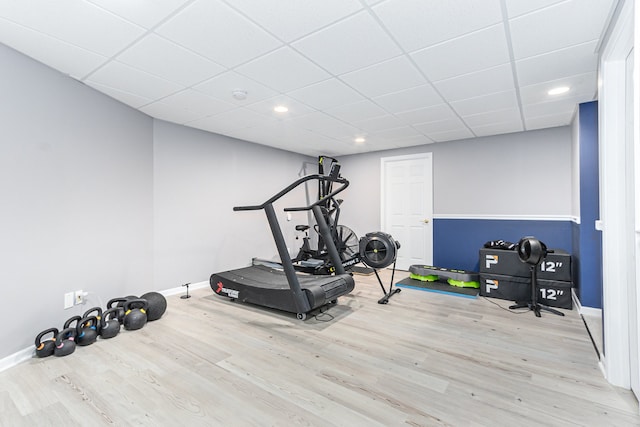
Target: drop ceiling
(397,73)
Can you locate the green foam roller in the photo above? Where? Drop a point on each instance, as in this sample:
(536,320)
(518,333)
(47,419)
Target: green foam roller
(459,278)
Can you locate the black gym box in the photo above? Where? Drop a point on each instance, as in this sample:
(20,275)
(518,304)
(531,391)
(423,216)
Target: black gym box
(555,266)
(553,293)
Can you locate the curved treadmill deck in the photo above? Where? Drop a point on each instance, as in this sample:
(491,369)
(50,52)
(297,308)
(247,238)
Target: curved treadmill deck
(268,287)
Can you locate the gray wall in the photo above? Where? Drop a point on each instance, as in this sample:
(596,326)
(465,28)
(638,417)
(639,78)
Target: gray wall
(198,178)
(99,197)
(520,174)
(76,190)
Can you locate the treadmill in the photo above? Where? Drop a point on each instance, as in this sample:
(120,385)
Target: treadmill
(285,289)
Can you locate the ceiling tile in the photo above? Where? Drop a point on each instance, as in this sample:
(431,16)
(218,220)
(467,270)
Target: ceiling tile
(131,80)
(327,94)
(429,114)
(581,85)
(283,70)
(490,102)
(453,123)
(519,7)
(552,120)
(266,106)
(223,85)
(475,51)
(561,25)
(84,24)
(451,135)
(230,120)
(292,19)
(496,116)
(409,99)
(578,59)
(380,123)
(324,124)
(170,61)
(412,141)
(420,23)
(402,132)
(557,106)
(131,99)
(498,128)
(146,13)
(496,79)
(353,43)
(65,57)
(385,77)
(193,100)
(357,111)
(206,26)
(170,112)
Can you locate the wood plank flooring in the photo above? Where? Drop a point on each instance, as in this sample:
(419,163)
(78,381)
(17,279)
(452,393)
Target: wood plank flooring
(424,359)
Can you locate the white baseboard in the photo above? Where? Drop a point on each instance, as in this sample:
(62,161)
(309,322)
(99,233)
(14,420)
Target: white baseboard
(585,311)
(183,289)
(13,359)
(25,354)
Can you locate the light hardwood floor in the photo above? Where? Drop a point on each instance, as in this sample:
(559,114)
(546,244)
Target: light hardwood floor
(424,359)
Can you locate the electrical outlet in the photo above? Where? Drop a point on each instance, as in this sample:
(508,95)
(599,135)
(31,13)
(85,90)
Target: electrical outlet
(79,297)
(68,300)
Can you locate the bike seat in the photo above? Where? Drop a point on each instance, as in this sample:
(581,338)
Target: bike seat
(302,227)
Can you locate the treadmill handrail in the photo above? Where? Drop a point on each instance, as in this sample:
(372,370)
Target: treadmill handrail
(344,184)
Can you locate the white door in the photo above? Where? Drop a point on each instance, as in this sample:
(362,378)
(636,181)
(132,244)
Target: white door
(407,207)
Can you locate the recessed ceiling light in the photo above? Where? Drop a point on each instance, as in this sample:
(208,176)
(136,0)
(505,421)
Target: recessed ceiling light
(558,90)
(280,109)
(359,140)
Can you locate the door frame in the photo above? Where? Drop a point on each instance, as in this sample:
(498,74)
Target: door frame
(611,108)
(383,180)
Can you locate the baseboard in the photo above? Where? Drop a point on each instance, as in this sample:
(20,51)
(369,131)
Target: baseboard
(183,289)
(20,356)
(585,311)
(13,359)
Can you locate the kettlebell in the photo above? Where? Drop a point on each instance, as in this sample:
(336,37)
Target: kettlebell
(46,348)
(72,321)
(65,342)
(110,325)
(87,330)
(135,314)
(95,311)
(119,303)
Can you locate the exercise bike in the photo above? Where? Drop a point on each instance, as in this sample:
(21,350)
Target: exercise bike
(316,260)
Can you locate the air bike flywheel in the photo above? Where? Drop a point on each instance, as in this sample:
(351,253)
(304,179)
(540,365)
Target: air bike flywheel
(380,250)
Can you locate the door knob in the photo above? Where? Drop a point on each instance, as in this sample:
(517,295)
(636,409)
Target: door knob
(426,221)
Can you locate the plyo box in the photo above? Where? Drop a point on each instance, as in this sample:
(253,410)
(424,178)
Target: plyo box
(556,266)
(549,292)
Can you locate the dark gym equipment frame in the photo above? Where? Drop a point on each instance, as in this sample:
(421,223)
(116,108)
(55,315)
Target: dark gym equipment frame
(268,297)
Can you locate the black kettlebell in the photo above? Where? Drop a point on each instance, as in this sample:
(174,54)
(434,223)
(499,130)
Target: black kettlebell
(72,322)
(110,325)
(46,348)
(65,342)
(87,331)
(119,303)
(95,311)
(135,314)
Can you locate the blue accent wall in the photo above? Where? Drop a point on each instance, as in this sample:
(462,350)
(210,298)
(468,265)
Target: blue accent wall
(587,247)
(456,242)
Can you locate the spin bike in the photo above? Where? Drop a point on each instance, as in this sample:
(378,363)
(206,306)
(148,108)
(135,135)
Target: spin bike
(316,260)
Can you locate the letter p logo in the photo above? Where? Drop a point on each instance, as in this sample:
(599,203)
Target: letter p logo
(490,260)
